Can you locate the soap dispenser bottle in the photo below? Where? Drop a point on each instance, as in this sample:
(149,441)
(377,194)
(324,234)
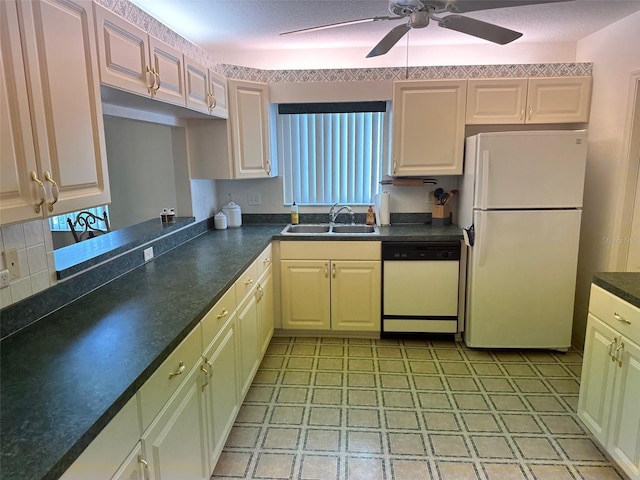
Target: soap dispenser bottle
(294,214)
(371,216)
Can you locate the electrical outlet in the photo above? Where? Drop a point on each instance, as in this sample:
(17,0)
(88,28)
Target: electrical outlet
(148,254)
(4,278)
(12,264)
(254,199)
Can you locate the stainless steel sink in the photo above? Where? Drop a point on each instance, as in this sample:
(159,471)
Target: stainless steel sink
(353,229)
(325,229)
(307,229)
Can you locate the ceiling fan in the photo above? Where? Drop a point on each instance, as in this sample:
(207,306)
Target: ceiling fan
(419,12)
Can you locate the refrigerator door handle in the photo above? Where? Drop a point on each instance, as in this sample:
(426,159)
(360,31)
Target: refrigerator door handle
(485,178)
(479,229)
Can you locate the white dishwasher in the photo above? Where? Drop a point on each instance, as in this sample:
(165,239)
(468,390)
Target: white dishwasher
(420,287)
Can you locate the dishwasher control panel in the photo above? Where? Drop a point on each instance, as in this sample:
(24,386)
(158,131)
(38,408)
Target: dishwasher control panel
(421,251)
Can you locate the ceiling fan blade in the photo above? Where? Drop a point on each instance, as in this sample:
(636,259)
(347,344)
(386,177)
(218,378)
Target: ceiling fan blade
(477,28)
(463,6)
(389,40)
(340,24)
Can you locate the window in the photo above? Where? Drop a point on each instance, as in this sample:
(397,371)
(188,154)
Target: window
(331,152)
(59,223)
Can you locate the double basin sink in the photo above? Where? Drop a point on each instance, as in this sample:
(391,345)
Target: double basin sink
(327,229)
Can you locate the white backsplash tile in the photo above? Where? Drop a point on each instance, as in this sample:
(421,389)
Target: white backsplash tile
(33,233)
(37,258)
(34,245)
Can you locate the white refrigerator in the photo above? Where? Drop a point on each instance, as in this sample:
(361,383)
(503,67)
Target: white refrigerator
(522,193)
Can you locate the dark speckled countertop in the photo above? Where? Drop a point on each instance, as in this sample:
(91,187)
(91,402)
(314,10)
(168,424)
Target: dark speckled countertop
(66,376)
(625,285)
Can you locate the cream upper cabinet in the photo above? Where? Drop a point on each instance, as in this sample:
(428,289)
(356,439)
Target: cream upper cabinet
(206,90)
(239,147)
(532,100)
(218,92)
(610,381)
(62,90)
(428,127)
(500,100)
(249,129)
(330,286)
(134,61)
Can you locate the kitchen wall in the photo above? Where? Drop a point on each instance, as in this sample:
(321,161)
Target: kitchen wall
(614,53)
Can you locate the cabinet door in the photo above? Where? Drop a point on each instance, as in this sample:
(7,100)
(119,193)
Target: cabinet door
(624,438)
(500,100)
(134,467)
(61,58)
(558,100)
(197,85)
(124,53)
(221,389)
(355,296)
(265,303)
(18,193)
(428,127)
(597,377)
(168,62)
(250,137)
(248,341)
(305,290)
(218,87)
(175,443)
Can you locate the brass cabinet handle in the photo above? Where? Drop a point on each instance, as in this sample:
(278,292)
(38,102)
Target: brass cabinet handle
(333,270)
(266,260)
(249,282)
(224,313)
(179,371)
(610,349)
(620,318)
(150,88)
(621,349)
(268,168)
(395,166)
(260,291)
(326,270)
(145,465)
(530,111)
(521,112)
(211,101)
(55,191)
(41,192)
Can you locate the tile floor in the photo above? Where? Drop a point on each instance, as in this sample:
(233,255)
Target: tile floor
(329,408)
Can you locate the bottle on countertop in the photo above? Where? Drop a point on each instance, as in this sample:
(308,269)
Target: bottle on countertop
(294,214)
(371,217)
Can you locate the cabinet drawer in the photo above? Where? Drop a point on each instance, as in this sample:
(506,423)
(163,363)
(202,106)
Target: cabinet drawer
(365,250)
(167,378)
(215,319)
(615,312)
(246,282)
(265,260)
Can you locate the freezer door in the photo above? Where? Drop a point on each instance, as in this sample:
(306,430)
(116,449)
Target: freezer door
(521,279)
(520,170)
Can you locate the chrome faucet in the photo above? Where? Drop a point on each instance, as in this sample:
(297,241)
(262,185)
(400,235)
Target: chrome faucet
(333,213)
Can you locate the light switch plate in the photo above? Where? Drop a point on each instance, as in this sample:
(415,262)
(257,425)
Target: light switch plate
(254,199)
(11,263)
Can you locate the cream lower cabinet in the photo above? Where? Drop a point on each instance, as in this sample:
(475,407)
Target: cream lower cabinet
(175,445)
(339,291)
(50,104)
(428,127)
(610,381)
(528,100)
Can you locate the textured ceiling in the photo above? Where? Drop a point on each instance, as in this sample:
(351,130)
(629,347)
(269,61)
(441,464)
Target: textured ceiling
(222,26)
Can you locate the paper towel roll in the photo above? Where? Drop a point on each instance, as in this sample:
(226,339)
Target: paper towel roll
(384,207)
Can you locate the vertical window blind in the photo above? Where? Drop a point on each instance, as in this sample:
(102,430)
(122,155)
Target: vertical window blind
(330,157)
